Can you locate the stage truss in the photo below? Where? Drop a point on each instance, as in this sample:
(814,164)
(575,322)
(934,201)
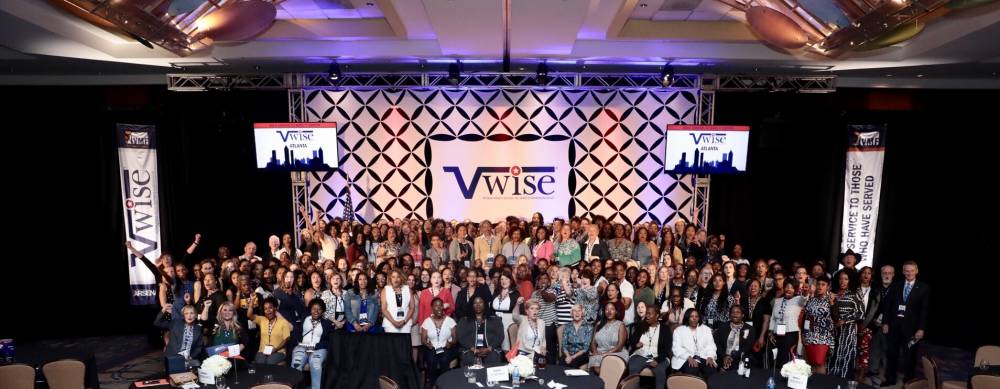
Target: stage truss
(297,83)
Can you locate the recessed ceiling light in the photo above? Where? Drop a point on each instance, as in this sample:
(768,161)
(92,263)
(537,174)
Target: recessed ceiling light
(643,5)
(920,76)
(888,75)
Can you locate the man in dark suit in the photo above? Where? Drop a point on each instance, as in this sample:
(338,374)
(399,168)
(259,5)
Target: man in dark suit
(593,246)
(743,342)
(185,343)
(904,318)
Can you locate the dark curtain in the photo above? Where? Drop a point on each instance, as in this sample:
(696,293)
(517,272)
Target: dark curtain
(936,205)
(70,274)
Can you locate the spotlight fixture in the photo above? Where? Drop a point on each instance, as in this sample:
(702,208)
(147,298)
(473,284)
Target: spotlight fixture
(667,74)
(542,73)
(334,71)
(454,72)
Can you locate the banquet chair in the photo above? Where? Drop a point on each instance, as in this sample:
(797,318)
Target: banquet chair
(685,381)
(386,383)
(272,385)
(985,382)
(918,383)
(64,374)
(17,376)
(630,382)
(934,376)
(612,369)
(990,354)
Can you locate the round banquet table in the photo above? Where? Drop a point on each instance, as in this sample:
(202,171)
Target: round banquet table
(758,379)
(279,374)
(455,378)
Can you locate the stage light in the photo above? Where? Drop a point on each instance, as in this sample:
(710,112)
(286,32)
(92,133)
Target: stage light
(334,71)
(542,73)
(454,73)
(667,75)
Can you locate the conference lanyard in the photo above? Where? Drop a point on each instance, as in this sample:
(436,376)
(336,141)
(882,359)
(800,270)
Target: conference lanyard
(399,304)
(270,327)
(534,331)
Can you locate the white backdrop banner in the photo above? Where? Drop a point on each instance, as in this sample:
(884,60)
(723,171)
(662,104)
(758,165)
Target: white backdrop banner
(141,205)
(862,190)
(509,177)
(576,153)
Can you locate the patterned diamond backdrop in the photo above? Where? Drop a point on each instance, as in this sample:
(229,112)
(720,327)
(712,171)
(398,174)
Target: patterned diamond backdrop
(615,141)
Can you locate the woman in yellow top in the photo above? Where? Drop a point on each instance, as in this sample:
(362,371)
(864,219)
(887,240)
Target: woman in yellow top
(274,332)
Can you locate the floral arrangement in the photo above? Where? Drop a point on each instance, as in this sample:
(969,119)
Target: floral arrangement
(216,365)
(525,367)
(796,367)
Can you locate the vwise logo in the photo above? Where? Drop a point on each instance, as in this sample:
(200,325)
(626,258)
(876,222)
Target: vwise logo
(295,135)
(507,180)
(708,138)
(136,138)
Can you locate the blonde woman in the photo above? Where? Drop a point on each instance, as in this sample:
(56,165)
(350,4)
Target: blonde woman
(531,332)
(227,329)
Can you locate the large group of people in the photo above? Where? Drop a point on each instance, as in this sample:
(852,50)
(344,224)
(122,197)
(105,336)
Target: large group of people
(668,298)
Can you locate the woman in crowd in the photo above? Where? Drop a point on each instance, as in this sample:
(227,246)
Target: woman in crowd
(275,332)
(715,303)
(610,337)
(390,248)
(620,247)
(531,332)
(362,306)
(586,296)
(784,328)
(504,302)
(473,288)
(576,338)
(314,287)
(311,339)
(415,246)
(568,252)
(398,305)
(541,246)
(643,291)
(645,249)
(612,295)
(460,248)
(651,345)
(184,331)
(734,341)
(480,336)
(691,289)
(694,347)
(673,309)
(290,302)
(818,336)
(661,288)
(847,311)
(227,330)
(334,302)
(438,334)
(437,253)
(758,316)
(437,291)
(670,254)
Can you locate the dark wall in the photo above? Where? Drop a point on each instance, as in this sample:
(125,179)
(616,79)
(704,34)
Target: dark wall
(74,259)
(937,165)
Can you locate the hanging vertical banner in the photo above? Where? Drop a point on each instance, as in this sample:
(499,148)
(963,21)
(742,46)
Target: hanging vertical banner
(862,190)
(140,199)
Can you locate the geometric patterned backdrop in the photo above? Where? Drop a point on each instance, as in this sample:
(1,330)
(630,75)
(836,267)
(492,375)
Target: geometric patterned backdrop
(615,140)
